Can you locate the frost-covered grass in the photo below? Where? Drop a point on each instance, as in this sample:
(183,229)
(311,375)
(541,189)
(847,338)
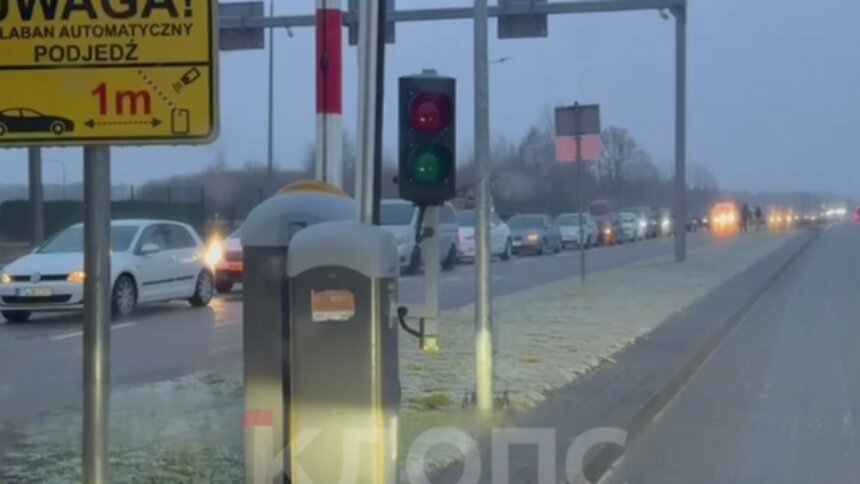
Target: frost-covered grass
(189,430)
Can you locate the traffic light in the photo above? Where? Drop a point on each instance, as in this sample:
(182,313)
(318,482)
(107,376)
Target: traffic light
(427,167)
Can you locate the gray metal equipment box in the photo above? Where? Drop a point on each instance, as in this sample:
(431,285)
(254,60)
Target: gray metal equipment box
(344,372)
(266,235)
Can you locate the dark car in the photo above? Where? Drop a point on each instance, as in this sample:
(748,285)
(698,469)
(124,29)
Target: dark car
(23,120)
(535,233)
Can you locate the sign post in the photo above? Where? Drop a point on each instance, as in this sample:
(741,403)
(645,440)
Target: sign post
(99,74)
(572,124)
(97,288)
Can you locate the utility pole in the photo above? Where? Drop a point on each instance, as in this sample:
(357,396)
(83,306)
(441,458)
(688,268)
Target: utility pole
(37,214)
(483,308)
(271,147)
(680,14)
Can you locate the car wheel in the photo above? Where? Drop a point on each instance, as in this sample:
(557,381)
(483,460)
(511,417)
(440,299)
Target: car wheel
(414,266)
(558,247)
(124,297)
(17,316)
(223,287)
(3,129)
(506,255)
(450,261)
(542,248)
(203,290)
(58,128)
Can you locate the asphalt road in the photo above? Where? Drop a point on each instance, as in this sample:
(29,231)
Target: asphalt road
(779,400)
(40,361)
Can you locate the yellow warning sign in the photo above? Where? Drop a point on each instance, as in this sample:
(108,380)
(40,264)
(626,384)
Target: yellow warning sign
(78,72)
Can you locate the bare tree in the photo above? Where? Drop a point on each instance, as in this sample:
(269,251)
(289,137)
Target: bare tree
(701,178)
(618,148)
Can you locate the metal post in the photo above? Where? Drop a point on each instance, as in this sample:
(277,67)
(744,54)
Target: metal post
(483,309)
(96,341)
(379,107)
(367,102)
(271,147)
(680,133)
(37,215)
(579,207)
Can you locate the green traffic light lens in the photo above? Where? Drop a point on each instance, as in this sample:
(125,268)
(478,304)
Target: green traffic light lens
(430,164)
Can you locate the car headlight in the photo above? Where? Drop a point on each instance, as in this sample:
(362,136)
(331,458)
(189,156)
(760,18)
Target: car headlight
(403,239)
(607,231)
(214,253)
(532,237)
(665,223)
(76,277)
(5,278)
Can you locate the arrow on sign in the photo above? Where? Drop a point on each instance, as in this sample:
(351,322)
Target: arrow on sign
(92,123)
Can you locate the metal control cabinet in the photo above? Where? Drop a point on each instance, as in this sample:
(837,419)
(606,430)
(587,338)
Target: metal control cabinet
(344,375)
(266,235)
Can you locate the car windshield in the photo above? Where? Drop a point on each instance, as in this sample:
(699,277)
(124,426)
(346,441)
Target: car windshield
(72,239)
(526,222)
(701,326)
(396,214)
(569,219)
(466,218)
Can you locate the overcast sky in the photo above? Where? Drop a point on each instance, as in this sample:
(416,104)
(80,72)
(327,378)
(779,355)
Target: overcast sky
(774,91)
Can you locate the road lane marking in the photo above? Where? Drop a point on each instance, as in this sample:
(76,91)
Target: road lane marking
(78,334)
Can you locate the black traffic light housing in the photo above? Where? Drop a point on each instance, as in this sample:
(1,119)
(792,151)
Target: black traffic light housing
(427,168)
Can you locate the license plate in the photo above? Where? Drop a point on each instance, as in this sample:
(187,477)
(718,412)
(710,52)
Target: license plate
(34,292)
(517,243)
(235,266)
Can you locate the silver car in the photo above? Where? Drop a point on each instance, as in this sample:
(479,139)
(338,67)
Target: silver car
(568,225)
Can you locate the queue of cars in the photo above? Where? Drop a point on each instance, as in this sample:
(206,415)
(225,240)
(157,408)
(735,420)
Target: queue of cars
(164,260)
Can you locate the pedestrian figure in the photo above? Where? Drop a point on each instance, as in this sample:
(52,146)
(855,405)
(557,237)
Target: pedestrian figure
(745,217)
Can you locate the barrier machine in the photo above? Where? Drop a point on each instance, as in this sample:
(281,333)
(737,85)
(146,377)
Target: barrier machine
(266,236)
(344,376)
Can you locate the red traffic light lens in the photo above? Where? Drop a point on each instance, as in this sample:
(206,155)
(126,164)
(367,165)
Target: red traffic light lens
(431,112)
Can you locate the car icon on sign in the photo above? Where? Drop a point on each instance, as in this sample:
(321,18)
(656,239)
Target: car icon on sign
(23,120)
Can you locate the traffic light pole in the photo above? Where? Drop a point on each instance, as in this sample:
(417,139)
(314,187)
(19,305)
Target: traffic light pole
(483,308)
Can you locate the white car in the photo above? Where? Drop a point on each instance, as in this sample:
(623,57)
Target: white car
(568,224)
(151,260)
(632,227)
(400,218)
(500,236)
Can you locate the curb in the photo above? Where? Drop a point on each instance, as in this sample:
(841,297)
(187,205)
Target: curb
(598,466)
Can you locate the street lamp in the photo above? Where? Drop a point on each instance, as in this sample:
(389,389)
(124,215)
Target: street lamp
(63,168)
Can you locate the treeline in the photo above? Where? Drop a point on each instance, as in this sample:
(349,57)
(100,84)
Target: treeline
(525,178)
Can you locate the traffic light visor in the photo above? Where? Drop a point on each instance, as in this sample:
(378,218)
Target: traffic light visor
(431,113)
